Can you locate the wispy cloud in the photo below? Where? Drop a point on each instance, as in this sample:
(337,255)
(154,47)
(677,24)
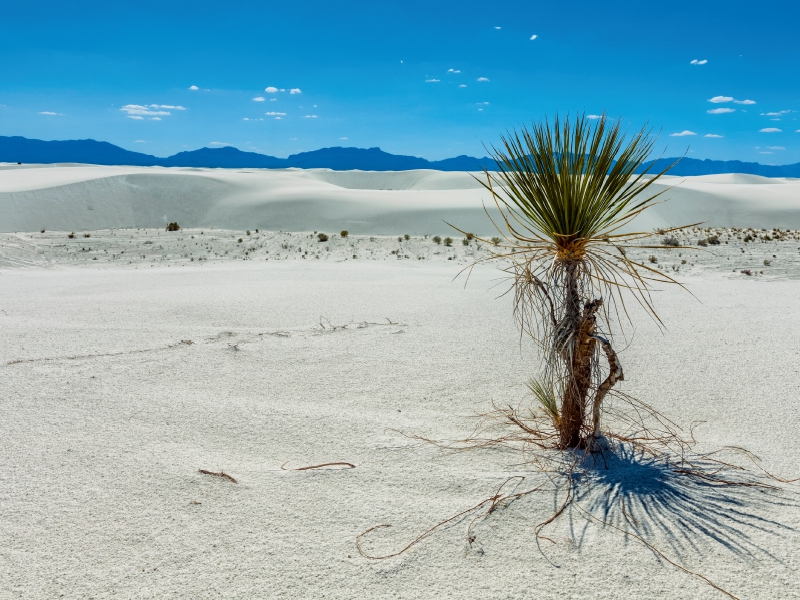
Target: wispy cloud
(770,130)
(272,113)
(167,106)
(258,99)
(533,37)
(272,90)
(311,116)
(779,113)
(140,142)
(594,117)
(775,148)
(712,135)
(765,152)
(295,91)
(249,119)
(136,117)
(683,133)
(726,99)
(483,79)
(273,99)
(155,118)
(47,112)
(720,111)
(498,27)
(194,88)
(218,144)
(138,109)
(342,138)
(431,81)
(480,103)
(463,85)
(698,62)
(453,71)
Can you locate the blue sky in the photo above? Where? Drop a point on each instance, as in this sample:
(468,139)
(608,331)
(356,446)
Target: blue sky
(433,79)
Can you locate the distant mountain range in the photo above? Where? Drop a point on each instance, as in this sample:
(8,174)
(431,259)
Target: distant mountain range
(24,150)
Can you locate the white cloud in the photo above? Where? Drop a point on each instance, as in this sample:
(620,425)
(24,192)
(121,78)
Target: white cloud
(167,106)
(453,71)
(533,37)
(271,90)
(744,101)
(698,62)
(483,79)
(683,133)
(463,85)
(194,88)
(594,117)
(138,109)
(278,118)
(776,114)
(720,111)
(219,144)
(311,116)
(479,103)
(798,131)
(258,99)
(155,118)
(47,112)
(342,138)
(498,27)
(273,99)
(719,99)
(136,117)
(140,142)
(272,113)
(770,130)
(765,152)
(295,91)
(775,148)
(432,81)
(712,135)
(480,109)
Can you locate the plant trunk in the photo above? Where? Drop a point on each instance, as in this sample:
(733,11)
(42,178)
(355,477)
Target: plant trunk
(581,349)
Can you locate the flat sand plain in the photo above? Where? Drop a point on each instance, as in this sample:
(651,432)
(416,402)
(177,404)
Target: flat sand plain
(123,376)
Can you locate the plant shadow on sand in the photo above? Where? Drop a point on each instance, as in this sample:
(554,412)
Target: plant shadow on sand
(653,499)
(677,506)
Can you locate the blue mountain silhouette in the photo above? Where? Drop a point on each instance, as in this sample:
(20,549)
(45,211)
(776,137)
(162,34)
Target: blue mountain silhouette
(24,150)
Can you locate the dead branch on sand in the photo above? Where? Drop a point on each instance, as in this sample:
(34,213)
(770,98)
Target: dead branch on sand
(220,474)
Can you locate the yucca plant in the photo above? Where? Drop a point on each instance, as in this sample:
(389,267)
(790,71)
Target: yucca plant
(565,192)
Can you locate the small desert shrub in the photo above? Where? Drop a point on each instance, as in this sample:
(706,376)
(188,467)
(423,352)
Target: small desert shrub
(470,236)
(767,262)
(702,243)
(437,239)
(747,271)
(399,238)
(239,240)
(406,236)
(247,232)
(448,241)
(748,238)
(344,233)
(670,241)
(42,231)
(87,235)
(683,262)
(71,235)
(173,226)
(322,237)
(713,240)
(652,258)
(496,241)
(465,241)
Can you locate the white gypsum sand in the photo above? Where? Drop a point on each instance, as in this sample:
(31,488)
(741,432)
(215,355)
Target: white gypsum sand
(364,202)
(109,414)
(129,364)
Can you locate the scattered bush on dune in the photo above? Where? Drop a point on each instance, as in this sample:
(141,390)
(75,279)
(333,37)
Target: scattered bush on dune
(322,237)
(436,239)
(448,241)
(344,233)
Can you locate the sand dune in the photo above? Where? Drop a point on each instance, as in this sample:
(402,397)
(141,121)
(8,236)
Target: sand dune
(76,197)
